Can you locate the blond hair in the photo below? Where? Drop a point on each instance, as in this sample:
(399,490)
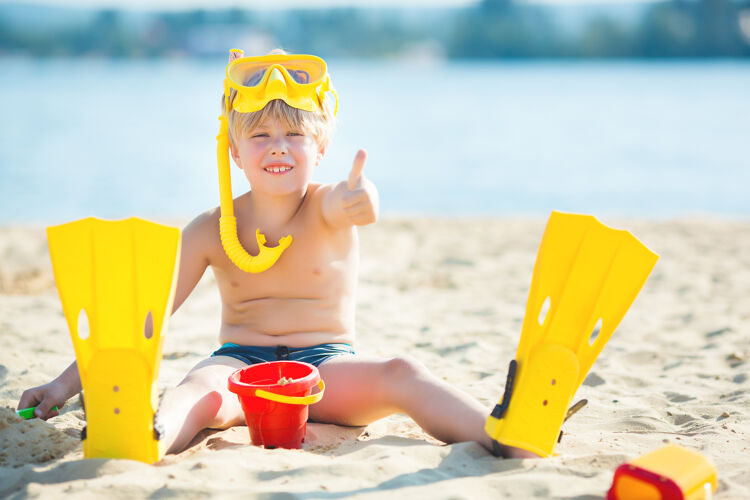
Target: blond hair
(319,123)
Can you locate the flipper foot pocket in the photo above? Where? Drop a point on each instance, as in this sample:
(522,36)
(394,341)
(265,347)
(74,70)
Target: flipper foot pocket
(116,281)
(586,277)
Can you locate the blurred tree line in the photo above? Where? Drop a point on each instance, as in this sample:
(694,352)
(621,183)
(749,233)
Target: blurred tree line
(678,28)
(491,29)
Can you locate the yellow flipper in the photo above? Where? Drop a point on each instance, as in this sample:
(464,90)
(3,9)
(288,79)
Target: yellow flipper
(114,279)
(585,278)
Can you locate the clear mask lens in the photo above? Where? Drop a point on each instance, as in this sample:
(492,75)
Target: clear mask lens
(251,74)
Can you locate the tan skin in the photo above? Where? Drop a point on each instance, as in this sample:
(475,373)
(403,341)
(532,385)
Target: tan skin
(306,298)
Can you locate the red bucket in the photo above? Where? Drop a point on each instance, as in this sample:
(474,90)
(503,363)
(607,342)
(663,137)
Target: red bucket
(276,414)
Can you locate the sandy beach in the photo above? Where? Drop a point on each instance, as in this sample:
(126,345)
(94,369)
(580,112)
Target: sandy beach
(452,293)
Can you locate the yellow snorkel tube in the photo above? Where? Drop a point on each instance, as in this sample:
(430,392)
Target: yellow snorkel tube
(267,256)
(299,80)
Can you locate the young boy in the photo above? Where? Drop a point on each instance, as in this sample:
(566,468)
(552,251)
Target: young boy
(302,307)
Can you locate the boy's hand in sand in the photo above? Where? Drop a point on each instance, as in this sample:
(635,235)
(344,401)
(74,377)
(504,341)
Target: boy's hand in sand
(44,398)
(56,393)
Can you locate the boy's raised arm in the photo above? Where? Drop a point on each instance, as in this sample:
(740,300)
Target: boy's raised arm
(353,202)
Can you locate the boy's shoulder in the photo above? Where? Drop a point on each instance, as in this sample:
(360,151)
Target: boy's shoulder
(205,219)
(318,200)
(204,228)
(323,190)
(317,191)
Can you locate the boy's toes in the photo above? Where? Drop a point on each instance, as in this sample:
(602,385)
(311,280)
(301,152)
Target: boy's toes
(511,451)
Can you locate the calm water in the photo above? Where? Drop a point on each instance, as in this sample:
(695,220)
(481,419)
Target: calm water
(114,139)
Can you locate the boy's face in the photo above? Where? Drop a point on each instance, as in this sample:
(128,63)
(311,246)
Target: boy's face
(277,159)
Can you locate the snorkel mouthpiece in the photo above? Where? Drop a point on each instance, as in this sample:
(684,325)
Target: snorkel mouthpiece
(267,256)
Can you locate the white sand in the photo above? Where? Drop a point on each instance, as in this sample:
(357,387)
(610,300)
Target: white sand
(452,293)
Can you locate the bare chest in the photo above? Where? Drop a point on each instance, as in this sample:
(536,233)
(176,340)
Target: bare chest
(317,265)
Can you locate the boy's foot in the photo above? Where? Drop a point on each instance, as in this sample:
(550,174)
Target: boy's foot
(505,451)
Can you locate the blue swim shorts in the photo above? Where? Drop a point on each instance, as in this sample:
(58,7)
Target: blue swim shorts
(315,355)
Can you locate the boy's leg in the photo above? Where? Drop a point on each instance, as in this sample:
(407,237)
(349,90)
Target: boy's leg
(361,390)
(202,400)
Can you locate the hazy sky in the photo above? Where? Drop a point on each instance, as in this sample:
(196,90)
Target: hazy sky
(270,4)
(257,4)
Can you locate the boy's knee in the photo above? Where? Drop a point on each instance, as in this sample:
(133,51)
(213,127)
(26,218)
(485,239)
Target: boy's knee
(398,380)
(206,379)
(403,369)
(206,400)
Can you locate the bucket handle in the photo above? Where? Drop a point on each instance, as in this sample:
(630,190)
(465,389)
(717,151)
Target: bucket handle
(293,400)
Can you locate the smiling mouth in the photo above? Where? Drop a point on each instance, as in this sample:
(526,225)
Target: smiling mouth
(277,170)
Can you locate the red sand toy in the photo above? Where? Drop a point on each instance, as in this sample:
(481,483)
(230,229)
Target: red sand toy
(669,473)
(274,397)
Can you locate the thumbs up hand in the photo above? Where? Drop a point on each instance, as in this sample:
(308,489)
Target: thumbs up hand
(360,201)
(353,202)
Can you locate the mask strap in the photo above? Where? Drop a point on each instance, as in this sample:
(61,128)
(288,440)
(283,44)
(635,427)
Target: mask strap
(326,87)
(226,97)
(335,95)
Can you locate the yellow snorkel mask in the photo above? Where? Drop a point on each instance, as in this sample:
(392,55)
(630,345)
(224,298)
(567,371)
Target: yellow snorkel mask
(302,82)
